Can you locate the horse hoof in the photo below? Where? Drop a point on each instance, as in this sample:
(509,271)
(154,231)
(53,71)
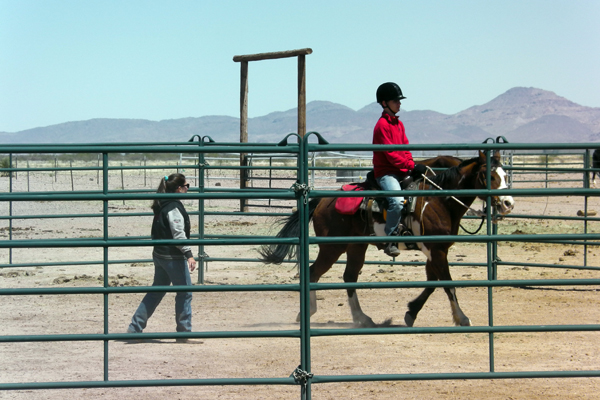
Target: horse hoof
(463,322)
(365,323)
(409,320)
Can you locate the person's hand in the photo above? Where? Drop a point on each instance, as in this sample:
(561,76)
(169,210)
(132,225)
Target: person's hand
(418,171)
(191,264)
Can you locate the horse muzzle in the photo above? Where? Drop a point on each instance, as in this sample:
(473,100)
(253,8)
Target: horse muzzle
(504,205)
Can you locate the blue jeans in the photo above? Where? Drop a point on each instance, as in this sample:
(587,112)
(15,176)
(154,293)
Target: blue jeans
(395,204)
(166,271)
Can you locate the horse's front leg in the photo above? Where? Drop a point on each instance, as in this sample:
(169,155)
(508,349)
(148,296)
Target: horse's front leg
(359,318)
(443,272)
(436,269)
(458,316)
(354,263)
(417,304)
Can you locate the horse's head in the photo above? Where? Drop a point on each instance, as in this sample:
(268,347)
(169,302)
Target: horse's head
(502,204)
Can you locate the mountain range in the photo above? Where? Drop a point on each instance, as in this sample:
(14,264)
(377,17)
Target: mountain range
(525,115)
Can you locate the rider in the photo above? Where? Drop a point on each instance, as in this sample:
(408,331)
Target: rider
(391,167)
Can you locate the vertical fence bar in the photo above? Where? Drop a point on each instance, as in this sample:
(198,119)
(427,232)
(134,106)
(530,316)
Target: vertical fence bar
(303,259)
(586,185)
(546,170)
(122,181)
(10,207)
(71,171)
(105,256)
(492,273)
(201,254)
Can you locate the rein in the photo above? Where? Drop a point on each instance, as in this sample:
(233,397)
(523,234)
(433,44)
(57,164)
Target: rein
(476,212)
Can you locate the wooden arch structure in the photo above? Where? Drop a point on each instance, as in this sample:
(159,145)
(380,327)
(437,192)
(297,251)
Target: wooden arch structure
(244,60)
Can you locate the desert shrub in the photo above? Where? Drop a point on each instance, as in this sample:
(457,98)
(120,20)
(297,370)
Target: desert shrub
(5,163)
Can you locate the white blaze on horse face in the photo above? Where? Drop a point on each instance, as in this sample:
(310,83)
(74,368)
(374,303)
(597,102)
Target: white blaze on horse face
(502,174)
(506,203)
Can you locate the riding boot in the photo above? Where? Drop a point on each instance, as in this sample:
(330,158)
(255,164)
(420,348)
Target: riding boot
(391,250)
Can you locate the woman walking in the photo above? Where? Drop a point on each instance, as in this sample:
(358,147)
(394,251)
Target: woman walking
(172,264)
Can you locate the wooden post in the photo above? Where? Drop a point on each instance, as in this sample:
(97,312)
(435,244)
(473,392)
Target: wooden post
(244,59)
(243,129)
(301,95)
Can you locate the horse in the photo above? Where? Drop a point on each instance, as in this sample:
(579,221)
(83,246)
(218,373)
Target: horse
(433,215)
(595,165)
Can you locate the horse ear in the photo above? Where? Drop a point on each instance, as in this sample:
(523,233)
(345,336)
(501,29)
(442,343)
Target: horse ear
(481,157)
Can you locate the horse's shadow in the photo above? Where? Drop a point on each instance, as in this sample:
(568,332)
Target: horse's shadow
(330,324)
(157,341)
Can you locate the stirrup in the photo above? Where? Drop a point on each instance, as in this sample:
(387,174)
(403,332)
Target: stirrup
(409,245)
(400,230)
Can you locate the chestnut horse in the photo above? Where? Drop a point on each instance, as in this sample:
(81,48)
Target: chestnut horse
(433,215)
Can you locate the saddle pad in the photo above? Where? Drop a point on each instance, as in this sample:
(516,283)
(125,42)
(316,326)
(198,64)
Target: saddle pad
(349,205)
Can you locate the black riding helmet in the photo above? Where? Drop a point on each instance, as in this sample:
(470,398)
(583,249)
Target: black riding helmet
(389,91)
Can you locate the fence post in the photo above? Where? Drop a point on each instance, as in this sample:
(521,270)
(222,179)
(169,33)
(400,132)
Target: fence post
(71,171)
(303,264)
(202,263)
(122,181)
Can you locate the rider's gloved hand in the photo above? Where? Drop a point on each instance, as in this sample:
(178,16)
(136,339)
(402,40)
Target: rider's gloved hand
(418,171)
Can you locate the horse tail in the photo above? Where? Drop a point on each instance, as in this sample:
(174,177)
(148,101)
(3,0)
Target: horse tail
(276,253)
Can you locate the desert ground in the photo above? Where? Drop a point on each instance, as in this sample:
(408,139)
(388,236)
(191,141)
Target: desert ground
(164,359)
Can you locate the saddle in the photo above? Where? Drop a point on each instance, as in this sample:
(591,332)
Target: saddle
(376,205)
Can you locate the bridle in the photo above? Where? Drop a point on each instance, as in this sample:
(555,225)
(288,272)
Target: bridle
(477,213)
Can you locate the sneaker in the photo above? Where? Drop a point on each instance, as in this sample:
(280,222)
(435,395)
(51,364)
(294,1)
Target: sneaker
(131,330)
(391,250)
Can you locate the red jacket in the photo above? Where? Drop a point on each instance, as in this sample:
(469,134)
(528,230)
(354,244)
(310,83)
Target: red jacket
(390,130)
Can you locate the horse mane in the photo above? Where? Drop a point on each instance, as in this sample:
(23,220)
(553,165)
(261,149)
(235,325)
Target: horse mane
(452,174)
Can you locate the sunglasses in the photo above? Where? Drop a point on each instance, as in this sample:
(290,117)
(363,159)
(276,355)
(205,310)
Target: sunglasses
(187,185)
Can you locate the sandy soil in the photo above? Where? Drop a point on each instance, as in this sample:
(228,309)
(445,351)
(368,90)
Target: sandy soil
(277,357)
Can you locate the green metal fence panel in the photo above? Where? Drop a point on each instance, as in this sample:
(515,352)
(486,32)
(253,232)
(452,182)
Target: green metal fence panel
(300,192)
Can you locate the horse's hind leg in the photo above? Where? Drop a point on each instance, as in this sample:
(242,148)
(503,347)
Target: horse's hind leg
(328,255)
(354,263)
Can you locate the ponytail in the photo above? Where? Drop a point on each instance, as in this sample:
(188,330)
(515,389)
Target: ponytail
(168,184)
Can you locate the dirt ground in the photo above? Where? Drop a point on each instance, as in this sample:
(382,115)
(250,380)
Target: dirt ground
(160,359)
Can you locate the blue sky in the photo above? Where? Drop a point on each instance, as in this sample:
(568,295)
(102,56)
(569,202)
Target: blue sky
(66,61)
